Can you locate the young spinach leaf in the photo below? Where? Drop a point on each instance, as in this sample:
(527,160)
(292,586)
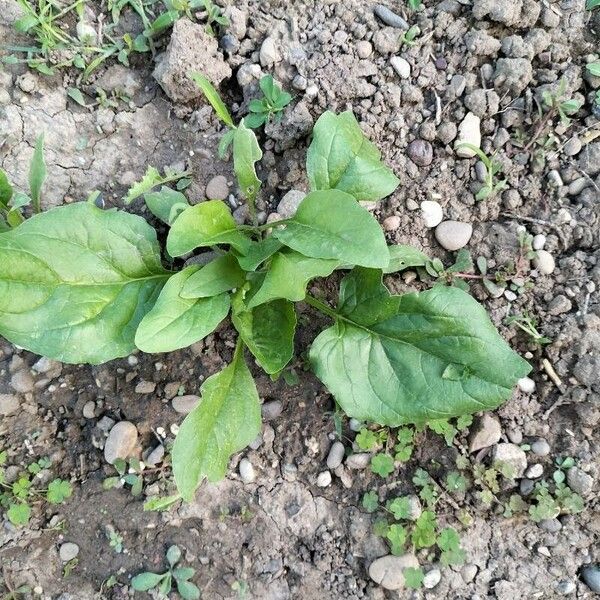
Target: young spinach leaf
(246,153)
(220,275)
(166,204)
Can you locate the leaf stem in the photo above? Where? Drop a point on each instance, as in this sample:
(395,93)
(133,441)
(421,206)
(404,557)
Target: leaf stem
(321,306)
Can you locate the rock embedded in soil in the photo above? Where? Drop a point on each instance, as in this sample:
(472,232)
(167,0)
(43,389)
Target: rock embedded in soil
(217,188)
(185,404)
(468,132)
(572,147)
(89,409)
(513,456)
(590,574)
(156,456)
(564,588)
(269,54)
(324,479)
(359,460)
(289,204)
(68,551)
(550,525)
(579,481)
(387,571)
(432,213)
(391,223)
(271,410)
(389,17)
(22,381)
(247,474)
(364,49)
(432,578)
(401,66)
(534,471)
(121,442)
(559,305)
(336,455)
(526,385)
(544,262)
(538,241)
(420,152)
(468,572)
(485,432)
(540,447)
(145,387)
(191,49)
(453,235)
(9,404)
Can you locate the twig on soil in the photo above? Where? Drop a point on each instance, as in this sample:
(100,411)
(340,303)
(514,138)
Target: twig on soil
(552,373)
(517,217)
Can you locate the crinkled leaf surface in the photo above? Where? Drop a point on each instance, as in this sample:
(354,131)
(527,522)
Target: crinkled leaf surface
(267,330)
(246,152)
(331,224)
(386,357)
(288,276)
(76,281)
(175,322)
(219,275)
(206,224)
(226,420)
(341,157)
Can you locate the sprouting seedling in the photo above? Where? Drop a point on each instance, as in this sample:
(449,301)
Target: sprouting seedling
(527,323)
(409,37)
(163,582)
(490,187)
(214,17)
(270,106)
(414,4)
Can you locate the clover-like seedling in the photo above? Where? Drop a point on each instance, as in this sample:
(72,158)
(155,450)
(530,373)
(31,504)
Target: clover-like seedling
(270,106)
(174,575)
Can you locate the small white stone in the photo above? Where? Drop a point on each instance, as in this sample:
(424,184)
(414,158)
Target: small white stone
(526,385)
(432,578)
(401,66)
(121,442)
(335,456)
(355,424)
(510,295)
(268,53)
(538,241)
(324,479)
(246,469)
(468,132)
(391,223)
(534,471)
(68,551)
(89,409)
(432,213)
(185,404)
(289,204)
(544,262)
(453,235)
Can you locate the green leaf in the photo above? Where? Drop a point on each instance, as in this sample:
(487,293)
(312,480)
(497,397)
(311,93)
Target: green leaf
(162,22)
(288,276)
(188,590)
(404,257)
(341,157)
(151,179)
(6,190)
(255,120)
(258,252)
(396,535)
(146,581)
(591,4)
(400,508)
(206,224)
(423,535)
(226,420)
(413,577)
(213,97)
(183,573)
(37,173)
(391,371)
(75,282)
(173,555)
(58,491)
(160,504)
(220,275)
(76,95)
(366,439)
(382,464)
(18,513)
(166,204)
(331,224)
(370,501)
(176,322)
(246,152)
(570,107)
(225,142)
(268,331)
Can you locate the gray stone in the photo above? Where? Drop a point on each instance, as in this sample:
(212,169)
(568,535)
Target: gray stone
(335,456)
(324,479)
(513,456)
(544,262)
(145,387)
(217,188)
(559,305)
(359,460)
(589,159)
(391,223)
(526,487)
(238,21)
(591,577)
(468,572)
(22,381)
(550,525)
(573,146)
(247,474)
(453,235)
(271,410)
(420,152)
(564,588)
(534,471)
(389,17)
(468,132)
(387,571)
(540,447)
(526,385)
(299,83)
(364,49)
(156,456)
(68,551)
(386,41)
(121,442)
(512,75)
(289,204)
(185,404)
(269,54)
(89,409)
(432,213)
(9,404)
(586,369)
(538,241)
(401,66)
(579,481)
(432,578)
(485,432)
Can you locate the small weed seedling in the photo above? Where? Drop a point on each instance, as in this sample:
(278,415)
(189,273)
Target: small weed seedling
(270,106)
(408,38)
(163,582)
(490,186)
(528,323)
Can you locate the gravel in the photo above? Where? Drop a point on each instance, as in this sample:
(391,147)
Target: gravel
(420,152)
(247,474)
(335,456)
(9,404)
(468,132)
(513,456)
(68,551)
(544,262)
(591,577)
(89,409)
(324,479)
(534,471)
(269,54)
(432,578)
(540,447)
(289,204)
(387,571)
(432,213)
(360,460)
(145,387)
(564,588)
(485,432)
(579,481)
(271,410)
(401,66)
(22,381)
(538,241)
(185,404)
(453,235)
(389,17)
(217,188)
(121,442)
(526,385)
(391,223)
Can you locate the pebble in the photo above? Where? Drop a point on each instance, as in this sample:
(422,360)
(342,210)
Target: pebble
(359,460)
(45,365)
(468,132)
(401,66)
(579,481)
(526,487)
(453,235)
(9,404)
(335,456)
(540,447)
(412,204)
(591,577)
(121,441)
(27,82)
(515,435)
(68,551)
(355,424)
(432,213)
(432,578)
(324,479)
(145,387)
(391,223)
(247,474)
(89,409)
(510,295)
(420,152)
(299,82)
(217,188)
(387,571)
(526,385)
(544,262)
(538,241)
(485,433)
(22,381)
(364,49)
(389,17)
(268,53)
(513,456)
(577,186)
(554,179)
(468,572)
(271,410)
(550,525)
(534,471)
(573,146)
(564,588)
(185,404)
(559,305)
(289,204)
(86,33)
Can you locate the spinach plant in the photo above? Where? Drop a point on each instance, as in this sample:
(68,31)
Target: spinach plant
(85,285)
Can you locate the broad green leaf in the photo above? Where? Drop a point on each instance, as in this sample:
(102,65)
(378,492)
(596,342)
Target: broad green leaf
(37,173)
(206,224)
(146,581)
(58,491)
(220,275)
(288,276)
(226,420)
(258,252)
(187,590)
(76,95)
(267,330)
(331,224)
(391,370)
(166,204)
(6,190)
(176,322)
(341,157)
(246,152)
(75,282)
(225,142)
(18,513)
(404,257)
(160,503)
(213,97)
(594,68)
(173,555)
